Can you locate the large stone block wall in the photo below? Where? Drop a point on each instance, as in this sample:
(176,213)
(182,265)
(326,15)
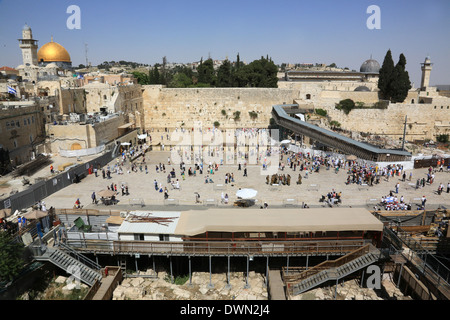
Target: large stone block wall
(423,120)
(177,108)
(356,96)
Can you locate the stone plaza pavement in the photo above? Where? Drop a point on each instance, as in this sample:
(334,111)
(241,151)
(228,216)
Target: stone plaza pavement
(141,188)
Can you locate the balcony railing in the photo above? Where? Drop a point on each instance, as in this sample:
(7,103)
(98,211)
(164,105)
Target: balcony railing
(218,247)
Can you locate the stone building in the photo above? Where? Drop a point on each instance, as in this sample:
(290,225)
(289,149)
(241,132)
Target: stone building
(369,72)
(21,129)
(75,133)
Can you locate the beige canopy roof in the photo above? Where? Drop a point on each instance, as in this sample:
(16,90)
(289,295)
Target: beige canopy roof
(277,220)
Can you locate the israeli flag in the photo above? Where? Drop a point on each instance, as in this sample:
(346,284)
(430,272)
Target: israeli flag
(12,90)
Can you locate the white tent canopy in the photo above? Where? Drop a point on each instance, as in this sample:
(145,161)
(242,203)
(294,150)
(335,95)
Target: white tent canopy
(274,220)
(246,193)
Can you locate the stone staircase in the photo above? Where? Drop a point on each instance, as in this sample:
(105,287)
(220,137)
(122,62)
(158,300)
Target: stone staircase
(79,267)
(312,278)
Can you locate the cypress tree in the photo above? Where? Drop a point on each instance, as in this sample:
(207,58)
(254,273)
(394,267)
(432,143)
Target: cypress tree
(400,83)
(385,76)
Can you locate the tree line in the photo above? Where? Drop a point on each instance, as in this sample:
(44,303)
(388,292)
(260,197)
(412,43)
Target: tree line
(260,73)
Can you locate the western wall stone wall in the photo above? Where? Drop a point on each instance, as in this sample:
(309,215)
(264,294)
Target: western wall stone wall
(178,108)
(356,96)
(423,120)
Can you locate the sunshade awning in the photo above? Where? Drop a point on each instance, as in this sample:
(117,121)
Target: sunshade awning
(274,220)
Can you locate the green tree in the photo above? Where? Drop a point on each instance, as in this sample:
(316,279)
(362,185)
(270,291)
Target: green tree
(224,75)
(180,80)
(206,72)
(154,76)
(239,73)
(262,73)
(11,261)
(141,77)
(240,78)
(385,76)
(400,83)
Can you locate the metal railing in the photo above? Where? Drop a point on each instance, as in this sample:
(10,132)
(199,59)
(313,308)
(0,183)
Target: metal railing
(419,256)
(217,247)
(331,264)
(81,258)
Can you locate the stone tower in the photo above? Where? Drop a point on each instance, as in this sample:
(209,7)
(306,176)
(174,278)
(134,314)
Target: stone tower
(426,70)
(29,47)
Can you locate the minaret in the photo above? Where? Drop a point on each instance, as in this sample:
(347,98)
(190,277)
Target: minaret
(29,47)
(426,70)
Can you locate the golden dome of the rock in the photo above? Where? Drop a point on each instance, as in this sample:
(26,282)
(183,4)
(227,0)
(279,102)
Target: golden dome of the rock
(53,51)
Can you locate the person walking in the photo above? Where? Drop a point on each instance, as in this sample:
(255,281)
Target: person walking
(424,200)
(440,188)
(94,198)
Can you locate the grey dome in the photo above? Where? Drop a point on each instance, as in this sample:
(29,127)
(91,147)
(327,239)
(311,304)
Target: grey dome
(362,88)
(370,66)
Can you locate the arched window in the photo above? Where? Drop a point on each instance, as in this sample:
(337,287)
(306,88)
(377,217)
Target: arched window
(308,96)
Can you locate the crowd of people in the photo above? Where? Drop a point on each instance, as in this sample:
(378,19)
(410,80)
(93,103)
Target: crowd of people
(332,198)
(392,203)
(357,172)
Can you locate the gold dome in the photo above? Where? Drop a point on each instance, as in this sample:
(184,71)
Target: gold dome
(53,52)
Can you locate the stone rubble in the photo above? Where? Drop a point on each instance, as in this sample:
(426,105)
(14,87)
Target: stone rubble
(160,288)
(351,290)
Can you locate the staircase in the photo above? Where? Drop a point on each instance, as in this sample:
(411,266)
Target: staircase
(333,270)
(79,266)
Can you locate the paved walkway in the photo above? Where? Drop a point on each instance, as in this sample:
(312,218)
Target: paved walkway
(106,283)
(276,286)
(141,187)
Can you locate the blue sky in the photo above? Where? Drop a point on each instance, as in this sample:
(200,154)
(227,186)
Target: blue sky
(292,31)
